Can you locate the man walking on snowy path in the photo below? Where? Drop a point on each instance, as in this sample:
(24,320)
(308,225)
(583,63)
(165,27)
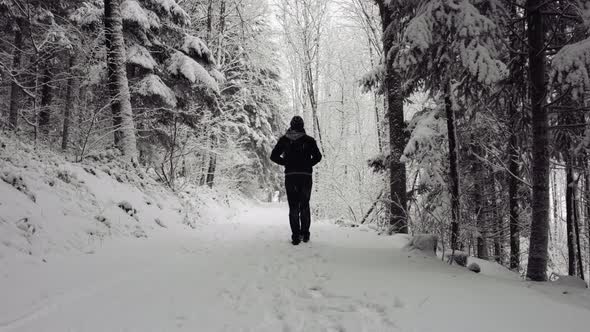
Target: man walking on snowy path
(298,153)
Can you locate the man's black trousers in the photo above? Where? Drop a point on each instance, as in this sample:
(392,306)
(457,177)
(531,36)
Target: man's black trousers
(298,194)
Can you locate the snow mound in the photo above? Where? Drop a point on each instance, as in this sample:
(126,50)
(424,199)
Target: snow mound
(474,267)
(458,257)
(49,205)
(570,281)
(425,243)
(152,85)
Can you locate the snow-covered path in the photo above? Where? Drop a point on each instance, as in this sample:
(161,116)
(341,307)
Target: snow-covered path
(244,275)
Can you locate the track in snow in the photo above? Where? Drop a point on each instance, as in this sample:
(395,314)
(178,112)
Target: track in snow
(244,275)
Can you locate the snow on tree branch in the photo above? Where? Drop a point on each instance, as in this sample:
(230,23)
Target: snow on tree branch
(88,14)
(196,48)
(452,30)
(152,85)
(570,67)
(171,8)
(183,65)
(140,56)
(132,11)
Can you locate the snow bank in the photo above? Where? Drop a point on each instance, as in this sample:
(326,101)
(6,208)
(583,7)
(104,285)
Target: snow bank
(425,243)
(49,205)
(570,281)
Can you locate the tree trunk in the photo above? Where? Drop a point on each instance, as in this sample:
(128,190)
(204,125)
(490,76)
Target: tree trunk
(376,105)
(71,101)
(395,112)
(513,178)
(221,31)
(46,98)
(482,236)
(569,211)
(454,175)
(372,208)
(576,226)
(209,21)
(117,80)
(587,201)
(539,238)
(497,220)
(14,87)
(211,170)
(203,177)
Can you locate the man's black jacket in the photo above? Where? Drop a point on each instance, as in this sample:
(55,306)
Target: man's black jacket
(297,152)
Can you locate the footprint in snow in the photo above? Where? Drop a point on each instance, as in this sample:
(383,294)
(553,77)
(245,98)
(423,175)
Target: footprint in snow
(315,292)
(397,303)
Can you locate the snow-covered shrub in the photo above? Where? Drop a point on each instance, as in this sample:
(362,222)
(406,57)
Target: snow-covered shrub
(17,181)
(458,257)
(66,176)
(103,220)
(426,243)
(474,267)
(189,222)
(26,226)
(160,223)
(345,223)
(105,156)
(570,281)
(127,207)
(89,170)
(138,232)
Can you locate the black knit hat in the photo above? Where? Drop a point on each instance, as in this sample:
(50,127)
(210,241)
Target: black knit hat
(297,123)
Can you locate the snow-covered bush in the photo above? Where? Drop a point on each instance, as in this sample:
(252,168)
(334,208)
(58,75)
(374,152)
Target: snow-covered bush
(570,281)
(127,207)
(345,223)
(160,223)
(138,232)
(426,243)
(66,176)
(26,226)
(16,180)
(458,257)
(474,267)
(103,220)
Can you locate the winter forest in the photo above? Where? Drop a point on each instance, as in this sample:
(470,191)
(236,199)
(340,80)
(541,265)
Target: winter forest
(462,124)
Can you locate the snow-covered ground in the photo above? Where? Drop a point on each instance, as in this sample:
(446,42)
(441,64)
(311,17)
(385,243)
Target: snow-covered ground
(244,275)
(49,205)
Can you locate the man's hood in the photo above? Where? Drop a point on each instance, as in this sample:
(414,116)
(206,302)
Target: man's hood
(294,134)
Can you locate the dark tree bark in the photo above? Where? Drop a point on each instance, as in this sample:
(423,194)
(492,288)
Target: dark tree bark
(376,106)
(14,87)
(587,205)
(497,220)
(46,98)
(515,68)
(476,173)
(513,203)
(204,162)
(453,166)
(71,101)
(539,238)
(576,224)
(210,178)
(209,20)
(117,80)
(372,208)
(569,219)
(211,170)
(395,114)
